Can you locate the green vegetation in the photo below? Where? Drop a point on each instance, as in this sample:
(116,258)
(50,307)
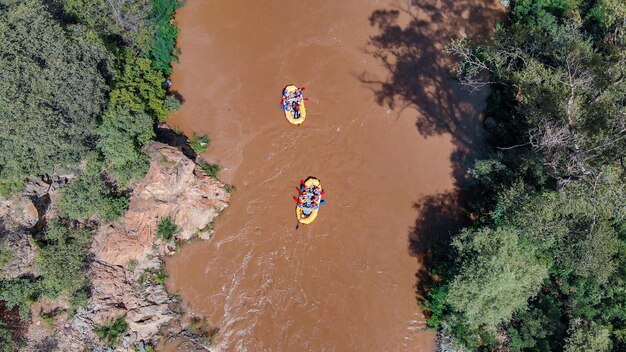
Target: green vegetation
(54,100)
(166,229)
(20,293)
(82,89)
(211,170)
(162,49)
(60,260)
(160,276)
(53,90)
(200,144)
(110,333)
(47,318)
(6,340)
(59,266)
(89,195)
(124,21)
(5,254)
(132,265)
(542,268)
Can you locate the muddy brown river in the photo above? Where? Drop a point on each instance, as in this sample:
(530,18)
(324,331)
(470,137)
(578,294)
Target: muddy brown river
(388,132)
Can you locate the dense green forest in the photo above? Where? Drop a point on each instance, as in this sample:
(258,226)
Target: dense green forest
(83,86)
(543,265)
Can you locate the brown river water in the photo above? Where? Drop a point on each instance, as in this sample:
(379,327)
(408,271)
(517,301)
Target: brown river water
(388,132)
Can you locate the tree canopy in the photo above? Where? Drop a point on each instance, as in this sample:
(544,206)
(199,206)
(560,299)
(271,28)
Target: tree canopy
(541,267)
(53,90)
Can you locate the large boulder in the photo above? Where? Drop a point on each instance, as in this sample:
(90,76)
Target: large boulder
(174,187)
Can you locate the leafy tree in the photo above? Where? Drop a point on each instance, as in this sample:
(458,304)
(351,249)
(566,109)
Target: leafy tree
(137,101)
(53,89)
(588,337)
(568,95)
(139,88)
(550,198)
(539,328)
(162,49)
(499,273)
(126,19)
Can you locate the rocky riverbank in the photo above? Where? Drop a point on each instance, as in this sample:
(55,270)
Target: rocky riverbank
(125,264)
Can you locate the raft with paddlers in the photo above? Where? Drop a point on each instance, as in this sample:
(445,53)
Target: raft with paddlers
(309,200)
(293,104)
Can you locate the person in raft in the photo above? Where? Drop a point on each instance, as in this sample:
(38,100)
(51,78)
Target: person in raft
(296,109)
(288,99)
(308,197)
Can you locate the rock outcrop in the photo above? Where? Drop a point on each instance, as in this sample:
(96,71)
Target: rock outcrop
(174,186)
(126,267)
(17,251)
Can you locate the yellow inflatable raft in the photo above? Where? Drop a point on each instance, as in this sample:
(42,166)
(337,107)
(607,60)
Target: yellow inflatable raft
(314,206)
(289,91)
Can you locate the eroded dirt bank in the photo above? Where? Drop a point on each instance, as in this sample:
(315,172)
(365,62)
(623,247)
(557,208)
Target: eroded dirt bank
(387,128)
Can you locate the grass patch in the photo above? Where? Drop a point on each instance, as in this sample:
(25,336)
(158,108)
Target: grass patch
(47,318)
(163,160)
(110,333)
(132,265)
(211,170)
(166,229)
(5,255)
(196,324)
(208,228)
(230,189)
(200,144)
(160,277)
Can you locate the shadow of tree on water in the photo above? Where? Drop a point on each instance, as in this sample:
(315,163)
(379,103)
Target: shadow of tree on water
(409,44)
(419,72)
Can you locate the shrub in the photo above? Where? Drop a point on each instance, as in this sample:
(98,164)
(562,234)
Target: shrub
(200,144)
(132,265)
(162,49)
(47,318)
(79,299)
(5,255)
(20,293)
(211,170)
(172,103)
(160,277)
(6,341)
(88,195)
(166,229)
(110,333)
(61,260)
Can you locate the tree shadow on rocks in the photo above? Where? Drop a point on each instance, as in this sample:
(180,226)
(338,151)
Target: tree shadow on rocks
(166,135)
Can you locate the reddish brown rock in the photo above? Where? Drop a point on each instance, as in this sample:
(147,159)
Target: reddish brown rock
(174,186)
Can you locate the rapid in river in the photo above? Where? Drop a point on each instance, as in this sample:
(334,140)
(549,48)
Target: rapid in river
(389,132)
